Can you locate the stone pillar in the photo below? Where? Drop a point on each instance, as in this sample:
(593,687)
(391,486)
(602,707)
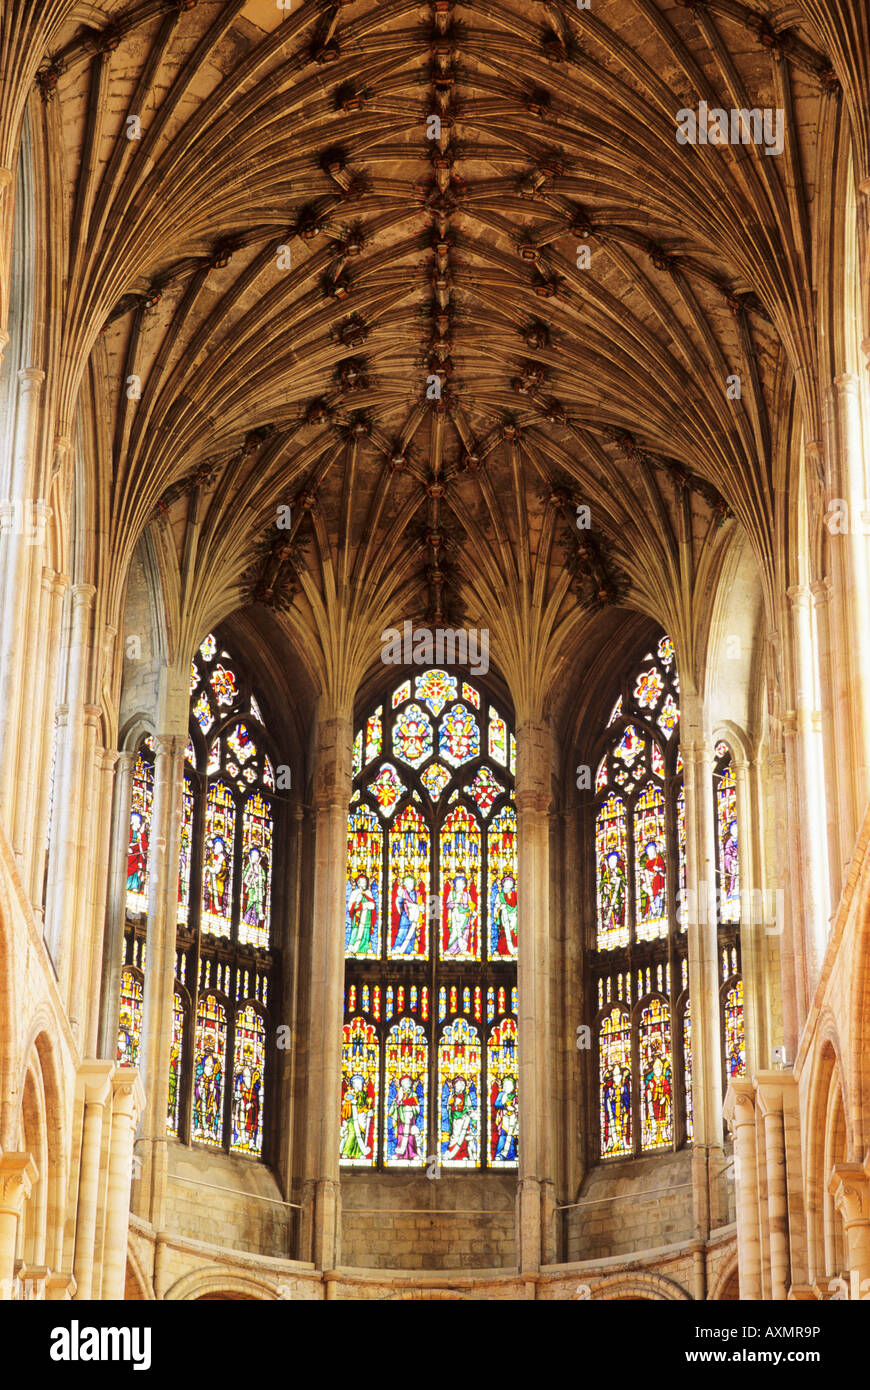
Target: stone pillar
(17,1176)
(536,1062)
(45,734)
(113,937)
(159,991)
(838,851)
(95,1078)
(104,765)
(332,790)
(128,1098)
(770,1108)
(849,1186)
(707,1148)
(790,991)
(740,1113)
(753,954)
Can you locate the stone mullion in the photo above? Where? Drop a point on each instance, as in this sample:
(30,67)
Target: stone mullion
(536,1140)
(36,660)
(332,792)
(113,937)
(159,987)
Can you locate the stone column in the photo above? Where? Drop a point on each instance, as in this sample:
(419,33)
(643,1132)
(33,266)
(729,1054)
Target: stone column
(332,790)
(739,1111)
(17,1176)
(45,726)
(159,991)
(128,1098)
(104,764)
(113,938)
(838,851)
(770,1107)
(849,1186)
(95,1078)
(536,1062)
(707,1149)
(752,943)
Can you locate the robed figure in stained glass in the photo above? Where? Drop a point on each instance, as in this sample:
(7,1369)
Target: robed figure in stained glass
(137,854)
(246,1107)
(408,906)
(362,913)
(207,1095)
(507,1120)
(652,883)
(657,1102)
(404,1105)
(503,917)
(216,877)
(731,863)
(459,914)
(357,1118)
(254,888)
(617,1110)
(612,888)
(459,1120)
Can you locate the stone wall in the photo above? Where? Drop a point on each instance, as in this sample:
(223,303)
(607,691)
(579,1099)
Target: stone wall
(227,1202)
(400,1221)
(631,1206)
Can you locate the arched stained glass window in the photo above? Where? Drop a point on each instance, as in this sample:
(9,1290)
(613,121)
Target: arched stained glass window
(226,953)
(640,866)
(728,900)
(140,830)
(429,1050)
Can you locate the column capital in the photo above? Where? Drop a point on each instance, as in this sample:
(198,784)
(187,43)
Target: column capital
(18,1173)
(128,1093)
(739,1107)
(849,1185)
(59,1287)
(95,1078)
(170,745)
(31,378)
(847,384)
(799,594)
(83,595)
(771,1089)
(125,760)
(822,589)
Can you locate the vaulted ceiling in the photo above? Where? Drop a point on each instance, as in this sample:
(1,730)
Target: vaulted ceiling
(433,276)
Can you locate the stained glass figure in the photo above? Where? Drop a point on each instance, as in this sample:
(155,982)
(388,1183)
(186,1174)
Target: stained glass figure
(412,736)
(683,904)
(374,735)
(436,688)
(601,774)
(356,762)
(130,1020)
(669,715)
(460,886)
(202,713)
(658,762)
(610,858)
(140,833)
(365,847)
(648,688)
(459,736)
(503,1108)
(240,743)
(657,1107)
(665,652)
(729,855)
(210,1056)
(249,1066)
(630,747)
(176,1052)
(735,1040)
(614,1048)
(649,860)
(407,1083)
(409,887)
(359,1094)
(223,683)
(484,789)
(459,1092)
(401,694)
(387,789)
(256,872)
(184,852)
(217,873)
(687,1069)
(190,753)
(435,779)
(208,647)
(498,747)
(502,879)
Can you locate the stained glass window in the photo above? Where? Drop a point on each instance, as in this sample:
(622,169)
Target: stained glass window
(374,736)
(735,1041)
(611,853)
(407,1088)
(687,1068)
(139,834)
(614,1047)
(657,1115)
(727,838)
(249,1067)
(432,854)
(650,867)
(130,1021)
(210,1060)
(356,762)
(225,880)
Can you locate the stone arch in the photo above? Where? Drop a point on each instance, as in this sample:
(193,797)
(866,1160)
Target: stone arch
(639,1285)
(42,1051)
(726,1285)
(137,1284)
(216,1283)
